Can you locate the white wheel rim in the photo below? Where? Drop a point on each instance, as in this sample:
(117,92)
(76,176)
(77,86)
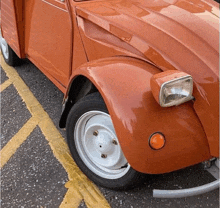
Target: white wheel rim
(98,146)
(4,47)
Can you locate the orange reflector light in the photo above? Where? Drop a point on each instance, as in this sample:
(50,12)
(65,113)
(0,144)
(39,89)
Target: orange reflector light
(157,141)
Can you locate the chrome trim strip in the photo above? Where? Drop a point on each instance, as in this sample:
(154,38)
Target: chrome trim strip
(54,5)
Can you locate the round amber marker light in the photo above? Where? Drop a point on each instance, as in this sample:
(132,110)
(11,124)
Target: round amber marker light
(157,141)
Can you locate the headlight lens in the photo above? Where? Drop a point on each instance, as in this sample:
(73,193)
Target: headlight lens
(176,91)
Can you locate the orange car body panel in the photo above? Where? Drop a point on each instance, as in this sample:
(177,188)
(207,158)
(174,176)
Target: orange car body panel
(181,35)
(11,19)
(124,83)
(44,45)
(160,35)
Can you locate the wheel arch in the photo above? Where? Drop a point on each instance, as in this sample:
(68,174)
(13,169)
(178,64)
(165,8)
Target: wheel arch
(79,87)
(124,84)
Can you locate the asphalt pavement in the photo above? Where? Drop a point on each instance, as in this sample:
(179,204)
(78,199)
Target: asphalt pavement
(35,174)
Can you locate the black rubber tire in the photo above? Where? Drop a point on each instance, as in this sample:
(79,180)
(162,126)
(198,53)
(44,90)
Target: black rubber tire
(94,101)
(13,59)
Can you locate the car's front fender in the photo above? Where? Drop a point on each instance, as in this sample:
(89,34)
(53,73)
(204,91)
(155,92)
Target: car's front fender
(124,84)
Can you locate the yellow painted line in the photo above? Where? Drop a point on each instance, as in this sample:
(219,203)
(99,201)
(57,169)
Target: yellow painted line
(5,85)
(10,148)
(72,198)
(79,187)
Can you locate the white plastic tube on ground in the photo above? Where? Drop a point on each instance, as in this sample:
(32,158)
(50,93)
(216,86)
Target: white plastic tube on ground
(186,192)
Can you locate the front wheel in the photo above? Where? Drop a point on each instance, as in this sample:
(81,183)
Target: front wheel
(95,147)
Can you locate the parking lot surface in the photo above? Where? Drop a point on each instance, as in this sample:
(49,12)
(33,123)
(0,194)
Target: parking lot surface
(37,169)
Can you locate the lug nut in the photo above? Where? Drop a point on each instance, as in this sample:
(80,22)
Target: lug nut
(103,156)
(114,142)
(95,133)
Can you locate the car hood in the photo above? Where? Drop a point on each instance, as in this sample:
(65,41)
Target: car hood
(170,33)
(173,35)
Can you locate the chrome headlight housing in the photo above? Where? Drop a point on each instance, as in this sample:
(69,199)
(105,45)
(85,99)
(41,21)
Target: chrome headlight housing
(176,91)
(171,88)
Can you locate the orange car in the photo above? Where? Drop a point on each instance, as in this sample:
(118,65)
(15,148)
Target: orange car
(140,78)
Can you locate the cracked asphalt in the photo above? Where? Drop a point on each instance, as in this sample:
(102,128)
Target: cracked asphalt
(33,177)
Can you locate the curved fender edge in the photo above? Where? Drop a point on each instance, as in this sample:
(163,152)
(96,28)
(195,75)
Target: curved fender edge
(124,84)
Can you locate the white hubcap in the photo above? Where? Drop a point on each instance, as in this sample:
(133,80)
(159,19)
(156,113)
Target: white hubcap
(4,47)
(98,146)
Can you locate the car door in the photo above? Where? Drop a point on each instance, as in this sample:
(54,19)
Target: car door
(48,38)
